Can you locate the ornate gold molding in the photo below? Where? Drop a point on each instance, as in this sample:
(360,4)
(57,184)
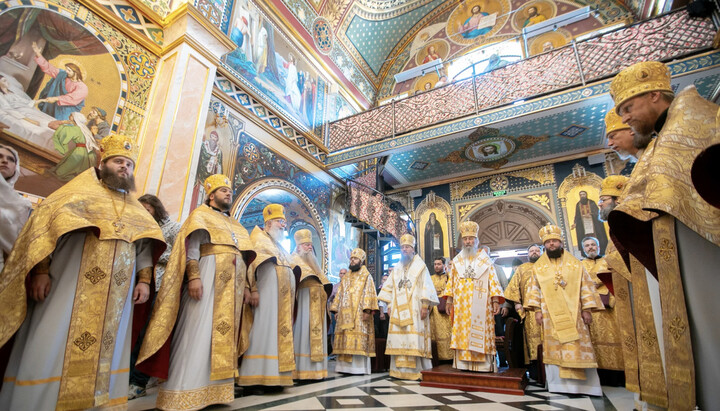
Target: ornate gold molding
(250,116)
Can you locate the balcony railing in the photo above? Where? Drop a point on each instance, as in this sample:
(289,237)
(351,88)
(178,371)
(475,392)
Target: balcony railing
(663,38)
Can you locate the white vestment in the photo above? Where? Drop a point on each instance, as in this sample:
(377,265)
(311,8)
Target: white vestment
(190,352)
(32,379)
(408,341)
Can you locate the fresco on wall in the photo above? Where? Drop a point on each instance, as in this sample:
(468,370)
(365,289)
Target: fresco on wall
(480,24)
(549,41)
(343,237)
(228,149)
(276,69)
(62,90)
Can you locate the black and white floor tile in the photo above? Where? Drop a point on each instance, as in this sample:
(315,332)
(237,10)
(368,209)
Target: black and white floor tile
(381,392)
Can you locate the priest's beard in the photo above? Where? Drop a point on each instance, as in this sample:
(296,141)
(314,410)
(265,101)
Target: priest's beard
(583,201)
(116,182)
(406,259)
(534,258)
(554,253)
(641,140)
(355,267)
(277,233)
(592,256)
(222,204)
(605,212)
(469,252)
(309,258)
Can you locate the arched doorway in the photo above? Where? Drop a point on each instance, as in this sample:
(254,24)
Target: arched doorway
(508,224)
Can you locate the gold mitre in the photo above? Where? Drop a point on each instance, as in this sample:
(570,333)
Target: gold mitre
(613,122)
(214,182)
(613,185)
(640,78)
(407,239)
(550,232)
(358,253)
(303,236)
(469,229)
(119,145)
(273,211)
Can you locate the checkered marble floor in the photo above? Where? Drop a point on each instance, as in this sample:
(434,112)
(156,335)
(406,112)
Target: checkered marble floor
(382,392)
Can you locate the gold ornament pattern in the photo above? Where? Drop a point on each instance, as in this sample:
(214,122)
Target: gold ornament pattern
(95,275)
(84,341)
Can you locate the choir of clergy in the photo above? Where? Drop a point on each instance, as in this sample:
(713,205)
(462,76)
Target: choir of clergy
(238,309)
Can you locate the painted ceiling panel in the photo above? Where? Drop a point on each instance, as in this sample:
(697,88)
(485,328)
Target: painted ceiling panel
(564,130)
(375,39)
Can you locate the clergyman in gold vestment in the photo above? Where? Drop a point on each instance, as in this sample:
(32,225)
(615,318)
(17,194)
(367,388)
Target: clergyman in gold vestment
(672,230)
(354,329)
(266,340)
(409,293)
(474,296)
(516,292)
(310,327)
(82,248)
(604,330)
(440,323)
(562,295)
(200,303)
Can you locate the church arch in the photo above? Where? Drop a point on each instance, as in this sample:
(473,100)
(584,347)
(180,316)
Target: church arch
(261,186)
(508,224)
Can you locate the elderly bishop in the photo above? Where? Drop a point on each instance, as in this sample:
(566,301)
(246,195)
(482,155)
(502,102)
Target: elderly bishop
(474,298)
(409,293)
(310,326)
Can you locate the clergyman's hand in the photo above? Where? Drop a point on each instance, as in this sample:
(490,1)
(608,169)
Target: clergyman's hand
(40,286)
(254,299)
(246,296)
(423,313)
(366,316)
(587,317)
(195,289)
(538,317)
(141,293)
(449,308)
(504,311)
(518,307)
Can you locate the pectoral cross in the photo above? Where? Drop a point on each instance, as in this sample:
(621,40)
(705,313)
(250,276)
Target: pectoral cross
(470,272)
(234,239)
(559,281)
(118,225)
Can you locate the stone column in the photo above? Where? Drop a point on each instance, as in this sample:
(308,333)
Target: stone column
(173,131)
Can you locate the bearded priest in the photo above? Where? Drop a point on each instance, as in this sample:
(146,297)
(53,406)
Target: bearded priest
(202,297)
(474,297)
(269,357)
(409,293)
(310,326)
(354,330)
(562,295)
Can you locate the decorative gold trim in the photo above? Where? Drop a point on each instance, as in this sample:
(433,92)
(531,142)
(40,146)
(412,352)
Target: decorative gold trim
(123,27)
(246,113)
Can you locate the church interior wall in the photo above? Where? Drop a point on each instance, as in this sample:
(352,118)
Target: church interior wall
(549,193)
(117,69)
(234,145)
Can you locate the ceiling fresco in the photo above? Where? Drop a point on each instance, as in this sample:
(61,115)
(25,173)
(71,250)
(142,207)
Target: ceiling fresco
(558,132)
(375,39)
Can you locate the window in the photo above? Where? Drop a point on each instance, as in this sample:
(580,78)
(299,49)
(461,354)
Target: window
(486,59)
